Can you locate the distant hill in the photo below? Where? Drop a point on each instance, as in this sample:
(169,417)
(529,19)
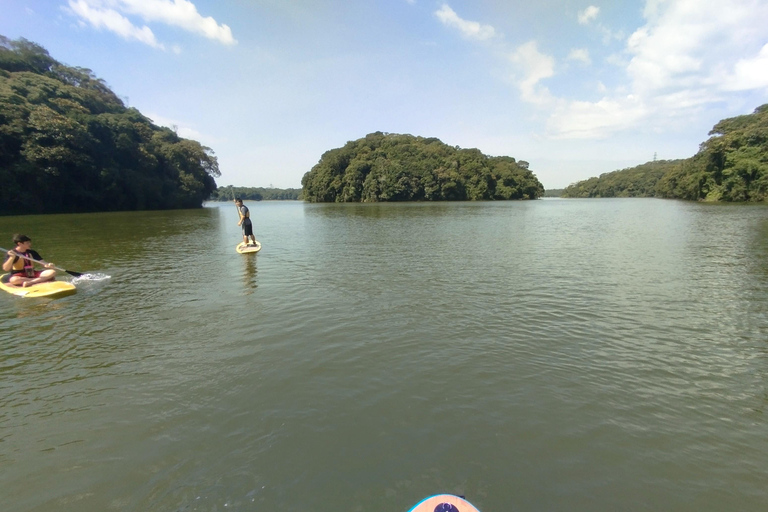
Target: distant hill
(69,144)
(229,192)
(638,181)
(732,165)
(396,167)
(554,192)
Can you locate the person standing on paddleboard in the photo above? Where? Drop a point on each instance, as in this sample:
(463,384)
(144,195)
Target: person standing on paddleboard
(22,269)
(245,221)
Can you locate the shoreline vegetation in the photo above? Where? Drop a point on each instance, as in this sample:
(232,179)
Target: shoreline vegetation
(730,166)
(69,144)
(230,192)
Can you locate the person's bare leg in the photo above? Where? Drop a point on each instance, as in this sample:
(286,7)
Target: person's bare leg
(18,280)
(45,275)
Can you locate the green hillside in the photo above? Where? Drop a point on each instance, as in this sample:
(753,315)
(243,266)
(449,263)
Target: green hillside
(732,165)
(395,167)
(69,144)
(639,181)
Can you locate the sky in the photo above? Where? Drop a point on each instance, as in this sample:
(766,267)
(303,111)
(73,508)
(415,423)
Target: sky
(575,88)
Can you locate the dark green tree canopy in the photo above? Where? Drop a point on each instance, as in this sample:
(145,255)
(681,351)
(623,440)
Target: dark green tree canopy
(229,192)
(395,167)
(732,165)
(69,144)
(639,181)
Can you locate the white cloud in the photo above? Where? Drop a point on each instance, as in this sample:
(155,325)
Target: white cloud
(687,55)
(113,15)
(594,120)
(588,14)
(688,45)
(114,22)
(468,29)
(180,13)
(531,65)
(580,54)
(749,73)
(535,67)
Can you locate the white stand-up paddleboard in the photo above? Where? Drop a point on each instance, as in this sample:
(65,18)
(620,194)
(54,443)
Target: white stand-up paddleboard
(248,249)
(444,503)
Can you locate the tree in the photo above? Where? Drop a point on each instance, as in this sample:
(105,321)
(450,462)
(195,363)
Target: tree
(398,167)
(732,165)
(68,144)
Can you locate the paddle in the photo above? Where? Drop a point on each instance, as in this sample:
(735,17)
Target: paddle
(70,272)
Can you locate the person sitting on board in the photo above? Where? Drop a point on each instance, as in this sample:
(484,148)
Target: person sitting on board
(245,221)
(19,263)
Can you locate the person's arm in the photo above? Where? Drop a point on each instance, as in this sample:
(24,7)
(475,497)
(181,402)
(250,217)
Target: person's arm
(36,258)
(8,263)
(39,259)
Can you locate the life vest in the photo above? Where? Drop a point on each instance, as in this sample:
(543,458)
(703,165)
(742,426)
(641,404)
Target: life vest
(27,266)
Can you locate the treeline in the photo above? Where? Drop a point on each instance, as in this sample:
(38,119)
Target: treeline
(230,192)
(69,144)
(732,165)
(639,181)
(395,167)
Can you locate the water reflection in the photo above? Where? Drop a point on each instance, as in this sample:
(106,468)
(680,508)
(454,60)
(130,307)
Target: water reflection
(41,308)
(382,210)
(250,273)
(759,246)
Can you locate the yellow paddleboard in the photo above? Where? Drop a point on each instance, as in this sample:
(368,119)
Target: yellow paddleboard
(50,289)
(248,249)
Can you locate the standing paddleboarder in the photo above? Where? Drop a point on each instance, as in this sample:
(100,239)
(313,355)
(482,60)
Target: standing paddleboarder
(245,222)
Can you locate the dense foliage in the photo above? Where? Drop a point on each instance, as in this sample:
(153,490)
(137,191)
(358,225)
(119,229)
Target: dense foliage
(554,192)
(229,192)
(639,181)
(732,165)
(394,167)
(69,144)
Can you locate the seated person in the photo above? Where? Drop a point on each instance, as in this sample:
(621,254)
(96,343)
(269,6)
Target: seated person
(21,266)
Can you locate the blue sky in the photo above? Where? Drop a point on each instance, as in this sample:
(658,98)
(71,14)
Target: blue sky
(576,88)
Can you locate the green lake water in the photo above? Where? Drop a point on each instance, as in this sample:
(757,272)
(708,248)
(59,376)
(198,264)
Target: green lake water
(552,355)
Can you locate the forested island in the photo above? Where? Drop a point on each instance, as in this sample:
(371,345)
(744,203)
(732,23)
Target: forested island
(69,144)
(732,165)
(400,167)
(230,192)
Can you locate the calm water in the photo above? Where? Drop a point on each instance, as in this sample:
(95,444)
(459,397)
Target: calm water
(556,355)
